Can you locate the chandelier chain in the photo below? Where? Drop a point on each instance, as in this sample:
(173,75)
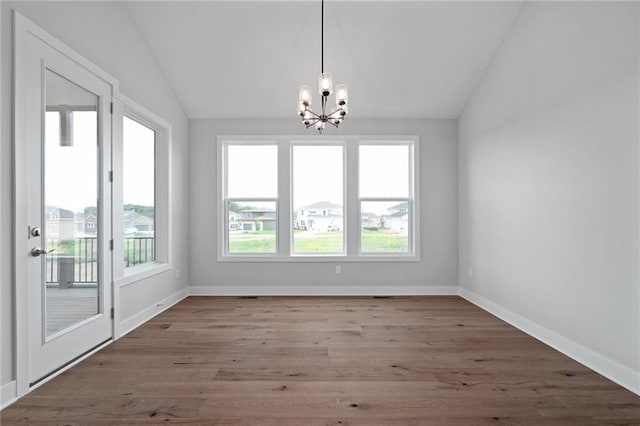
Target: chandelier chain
(322,38)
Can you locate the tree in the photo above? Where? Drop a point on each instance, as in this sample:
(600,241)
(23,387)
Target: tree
(91,210)
(147,211)
(235,207)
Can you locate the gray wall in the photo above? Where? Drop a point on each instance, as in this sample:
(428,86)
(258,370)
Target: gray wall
(549,176)
(439,250)
(105,33)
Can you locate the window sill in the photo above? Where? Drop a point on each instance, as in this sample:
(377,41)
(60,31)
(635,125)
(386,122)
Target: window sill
(139,273)
(320,258)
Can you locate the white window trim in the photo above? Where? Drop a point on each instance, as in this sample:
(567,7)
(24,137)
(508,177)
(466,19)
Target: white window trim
(318,142)
(123,106)
(351,198)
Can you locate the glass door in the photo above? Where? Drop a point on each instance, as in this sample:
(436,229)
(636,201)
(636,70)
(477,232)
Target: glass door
(68,159)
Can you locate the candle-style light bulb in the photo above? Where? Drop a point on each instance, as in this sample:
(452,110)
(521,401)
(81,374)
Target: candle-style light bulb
(342,94)
(304,95)
(326,84)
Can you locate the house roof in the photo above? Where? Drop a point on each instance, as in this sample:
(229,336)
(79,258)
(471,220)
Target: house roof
(397,214)
(322,205)
(403,205)
(131,216)
(63,213)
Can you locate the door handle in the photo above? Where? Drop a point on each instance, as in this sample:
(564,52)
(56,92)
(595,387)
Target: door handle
(37,251)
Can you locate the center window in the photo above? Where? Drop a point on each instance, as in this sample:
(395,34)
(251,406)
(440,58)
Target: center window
(318,199)
(333,199)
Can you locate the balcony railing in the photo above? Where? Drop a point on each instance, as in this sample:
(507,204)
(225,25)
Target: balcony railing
(75,261)
(138,250)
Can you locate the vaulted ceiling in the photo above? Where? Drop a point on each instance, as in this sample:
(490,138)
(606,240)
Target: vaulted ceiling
(240,59)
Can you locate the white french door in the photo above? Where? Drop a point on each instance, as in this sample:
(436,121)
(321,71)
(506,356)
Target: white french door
(67,160)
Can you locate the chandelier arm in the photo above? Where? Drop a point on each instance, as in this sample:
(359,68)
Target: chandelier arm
(334,112)
(311,123)
(314,114)
(333,124)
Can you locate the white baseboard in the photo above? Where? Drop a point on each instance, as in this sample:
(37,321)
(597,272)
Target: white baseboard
(8,394)
(618,373)
(134,321)
(301,290)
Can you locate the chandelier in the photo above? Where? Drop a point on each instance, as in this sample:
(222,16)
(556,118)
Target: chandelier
(328,114)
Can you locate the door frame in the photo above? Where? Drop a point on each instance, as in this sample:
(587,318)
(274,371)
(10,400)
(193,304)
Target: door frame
(23,29)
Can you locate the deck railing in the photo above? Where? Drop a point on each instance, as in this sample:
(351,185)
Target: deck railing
(138,250)
(75,261)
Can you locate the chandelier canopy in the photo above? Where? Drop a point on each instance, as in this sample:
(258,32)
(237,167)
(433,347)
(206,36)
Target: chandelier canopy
(328,114)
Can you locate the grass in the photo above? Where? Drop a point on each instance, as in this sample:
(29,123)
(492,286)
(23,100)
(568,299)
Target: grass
(383,242)
(330,242)
(256,245)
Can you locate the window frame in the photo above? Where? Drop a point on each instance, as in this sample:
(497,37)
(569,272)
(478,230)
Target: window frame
(413,168)
(125,107)
(351,196)
(224,201)
(316,142)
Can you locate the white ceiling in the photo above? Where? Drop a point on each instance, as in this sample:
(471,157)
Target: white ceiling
(400,59)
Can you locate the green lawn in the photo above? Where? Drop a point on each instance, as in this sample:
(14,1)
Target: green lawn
(265,244)
(383,242)
(330,242)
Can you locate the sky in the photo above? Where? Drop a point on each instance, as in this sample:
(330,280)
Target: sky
(138,163)
(71,171)
(318,173)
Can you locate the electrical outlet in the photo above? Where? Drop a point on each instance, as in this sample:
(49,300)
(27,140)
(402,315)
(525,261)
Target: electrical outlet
(338,269)
(177,274)
(470,273)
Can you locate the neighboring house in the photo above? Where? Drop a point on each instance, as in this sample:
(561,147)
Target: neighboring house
(90,224)
(258,219)
(234,220)
(134,222)
(370,221)
(61,223)
(321,216)
(399,208)
(397,219)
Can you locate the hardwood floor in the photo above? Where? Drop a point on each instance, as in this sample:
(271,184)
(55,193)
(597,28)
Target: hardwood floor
(327,361)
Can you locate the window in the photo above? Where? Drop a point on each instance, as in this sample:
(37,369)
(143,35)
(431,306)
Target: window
(141,187)
(303,199)
(318,199)
(385,216)
(138,193)
(251,198)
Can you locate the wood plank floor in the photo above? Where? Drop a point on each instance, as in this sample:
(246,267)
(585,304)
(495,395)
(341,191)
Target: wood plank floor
(327,361)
